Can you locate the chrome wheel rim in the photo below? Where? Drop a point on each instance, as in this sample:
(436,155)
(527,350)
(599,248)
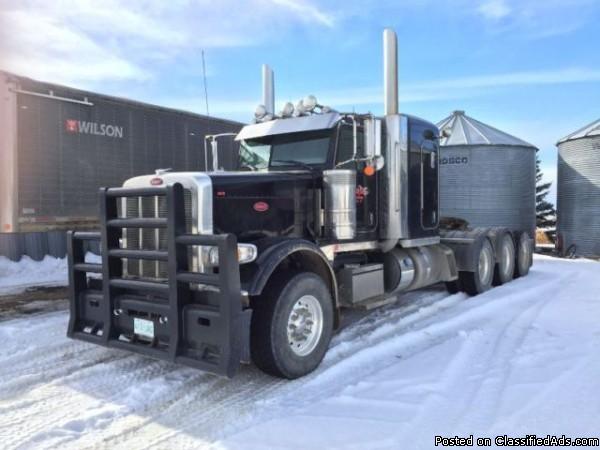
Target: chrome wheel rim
(485,265)
(305,325)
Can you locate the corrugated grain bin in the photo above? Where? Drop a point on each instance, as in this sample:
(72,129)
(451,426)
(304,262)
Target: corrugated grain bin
(578,192)
(487,176)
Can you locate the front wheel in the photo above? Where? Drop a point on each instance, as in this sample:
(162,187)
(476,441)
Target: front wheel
(292,324)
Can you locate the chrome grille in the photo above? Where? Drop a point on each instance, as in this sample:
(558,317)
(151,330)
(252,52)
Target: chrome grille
(149,238)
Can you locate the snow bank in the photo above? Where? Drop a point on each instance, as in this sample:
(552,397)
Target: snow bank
(17,277)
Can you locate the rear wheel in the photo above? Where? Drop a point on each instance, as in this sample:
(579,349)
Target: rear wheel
(480,280)
(505,267)
(524,255)
(292,324)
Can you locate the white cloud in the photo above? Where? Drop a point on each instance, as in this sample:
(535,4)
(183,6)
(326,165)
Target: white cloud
(424,91)
(311,11)
(494,9)
(463,87)
(82,41)
(38,46)
(534,18)
(557,76)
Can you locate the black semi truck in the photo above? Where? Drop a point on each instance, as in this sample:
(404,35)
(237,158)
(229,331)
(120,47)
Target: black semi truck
(327,211)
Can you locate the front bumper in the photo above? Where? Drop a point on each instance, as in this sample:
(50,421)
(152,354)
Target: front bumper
(206,327)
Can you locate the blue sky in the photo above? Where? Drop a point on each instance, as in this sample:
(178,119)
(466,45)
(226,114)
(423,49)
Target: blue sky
(528,67)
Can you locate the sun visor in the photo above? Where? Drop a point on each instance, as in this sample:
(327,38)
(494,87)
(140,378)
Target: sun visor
(292,125)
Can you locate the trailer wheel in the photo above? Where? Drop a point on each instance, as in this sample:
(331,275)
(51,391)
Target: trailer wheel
(292,324)
(505,267)
(480,280)
(524,255)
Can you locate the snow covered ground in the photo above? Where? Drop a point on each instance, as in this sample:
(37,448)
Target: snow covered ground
(520,359)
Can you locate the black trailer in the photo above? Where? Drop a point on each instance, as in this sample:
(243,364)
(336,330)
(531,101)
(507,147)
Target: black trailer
(58,145)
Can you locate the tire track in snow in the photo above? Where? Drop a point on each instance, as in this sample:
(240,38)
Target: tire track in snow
(493,381)
(53,407)
(505,341)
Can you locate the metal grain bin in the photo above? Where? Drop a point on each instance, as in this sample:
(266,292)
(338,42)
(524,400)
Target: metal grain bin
(487,176)
(578,192)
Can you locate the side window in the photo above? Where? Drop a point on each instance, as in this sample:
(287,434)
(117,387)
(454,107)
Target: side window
(345,148)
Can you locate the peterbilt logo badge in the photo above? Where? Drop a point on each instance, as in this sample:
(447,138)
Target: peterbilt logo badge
(454,160)
(361,192)
(156,181)
(261,206)
(98,129)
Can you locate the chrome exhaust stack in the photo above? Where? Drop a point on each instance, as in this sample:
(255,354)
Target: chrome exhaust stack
(268,91)
(390,72)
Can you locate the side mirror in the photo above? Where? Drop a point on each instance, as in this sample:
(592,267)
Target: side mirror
(372,132)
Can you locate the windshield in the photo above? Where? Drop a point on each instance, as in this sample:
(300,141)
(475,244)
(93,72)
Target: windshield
(285,150)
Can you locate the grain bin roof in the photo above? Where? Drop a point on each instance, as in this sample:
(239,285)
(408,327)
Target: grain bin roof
(465,130)
(592,129)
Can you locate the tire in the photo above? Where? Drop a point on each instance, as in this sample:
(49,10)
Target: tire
(282,345)
(453,287)
(524,255)
(480,280)
(504,269)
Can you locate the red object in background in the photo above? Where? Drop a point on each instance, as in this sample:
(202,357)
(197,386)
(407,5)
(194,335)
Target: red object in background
(71,126)
(261,206)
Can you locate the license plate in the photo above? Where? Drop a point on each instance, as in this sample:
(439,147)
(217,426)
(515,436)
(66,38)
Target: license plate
(143,327)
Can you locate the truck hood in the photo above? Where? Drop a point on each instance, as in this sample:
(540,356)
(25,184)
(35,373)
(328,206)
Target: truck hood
(252,205)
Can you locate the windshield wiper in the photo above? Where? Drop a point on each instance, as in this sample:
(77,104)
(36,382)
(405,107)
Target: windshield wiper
(293,162)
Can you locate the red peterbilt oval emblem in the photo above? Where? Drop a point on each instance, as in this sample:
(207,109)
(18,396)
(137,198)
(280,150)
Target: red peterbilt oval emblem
(261,206)
(156,181)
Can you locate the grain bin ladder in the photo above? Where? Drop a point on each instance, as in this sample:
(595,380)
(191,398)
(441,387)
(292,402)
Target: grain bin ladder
(160,319)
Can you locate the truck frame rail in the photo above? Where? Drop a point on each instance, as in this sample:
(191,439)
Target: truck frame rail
(164,319)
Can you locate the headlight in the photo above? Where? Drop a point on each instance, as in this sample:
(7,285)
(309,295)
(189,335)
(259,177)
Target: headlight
(246,253)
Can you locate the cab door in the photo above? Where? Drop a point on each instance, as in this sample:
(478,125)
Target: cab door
(366,186)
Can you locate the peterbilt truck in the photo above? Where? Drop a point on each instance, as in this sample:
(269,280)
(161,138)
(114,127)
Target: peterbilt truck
(327,211)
